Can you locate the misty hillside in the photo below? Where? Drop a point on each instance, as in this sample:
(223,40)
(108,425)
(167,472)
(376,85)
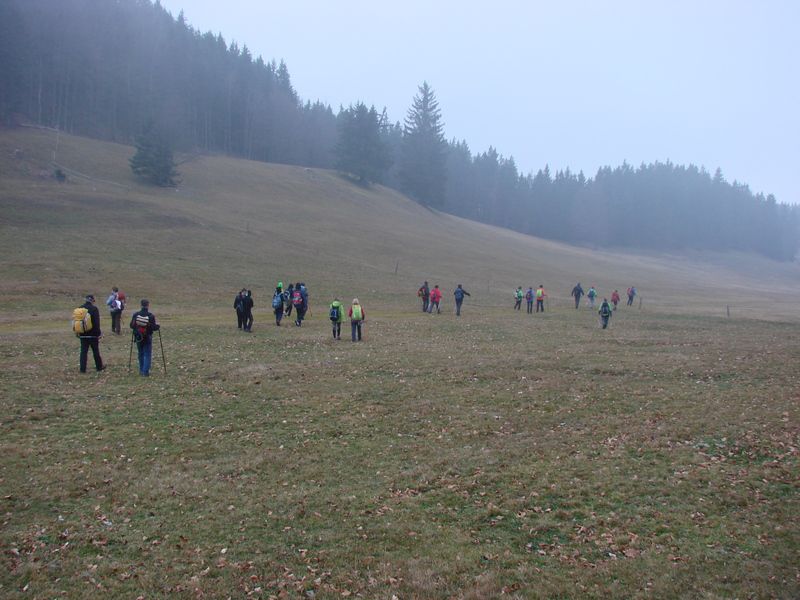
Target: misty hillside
(113,70)
(235,223)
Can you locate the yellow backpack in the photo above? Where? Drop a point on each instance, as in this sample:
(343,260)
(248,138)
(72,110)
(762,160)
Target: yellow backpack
(81,321)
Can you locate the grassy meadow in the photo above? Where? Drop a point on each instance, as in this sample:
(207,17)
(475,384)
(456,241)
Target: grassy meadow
(498,454)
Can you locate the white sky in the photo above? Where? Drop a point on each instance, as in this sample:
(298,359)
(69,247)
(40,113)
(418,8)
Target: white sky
(578,84)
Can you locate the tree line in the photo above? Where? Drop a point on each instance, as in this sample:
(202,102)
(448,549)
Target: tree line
(122,69)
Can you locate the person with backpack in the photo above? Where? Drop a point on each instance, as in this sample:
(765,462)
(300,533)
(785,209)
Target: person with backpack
(577,292)
(615,298)
(591,295)
(336,315)
(116,304)
(143,324)
(540,296)
(435,300)
(277,304)
(238,306)
(86,325)
(631,295)
(605,313)
(357,317)
(247,307)
(529,299)
(459,296)
(287,300)
(300,303)
(518,298)
(424,293)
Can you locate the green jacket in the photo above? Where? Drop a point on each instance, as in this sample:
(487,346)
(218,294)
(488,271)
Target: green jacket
(338,304)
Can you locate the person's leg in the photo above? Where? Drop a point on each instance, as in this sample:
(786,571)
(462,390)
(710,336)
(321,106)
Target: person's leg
(148,355)
(353,330)
(458,308)
(358,330)
(94,343)
(140,356)
(84,353)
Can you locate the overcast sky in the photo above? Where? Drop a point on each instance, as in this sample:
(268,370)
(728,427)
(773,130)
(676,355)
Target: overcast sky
(569,84)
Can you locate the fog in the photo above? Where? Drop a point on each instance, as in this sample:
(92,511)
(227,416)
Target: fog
(580,84)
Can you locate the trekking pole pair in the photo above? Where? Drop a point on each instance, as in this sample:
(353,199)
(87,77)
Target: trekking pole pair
(160,342)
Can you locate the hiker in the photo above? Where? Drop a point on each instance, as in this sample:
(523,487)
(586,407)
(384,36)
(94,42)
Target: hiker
(577,292)
(300,303)
(116,304)
(615,298)
(277,304)
(247,307)
(90,338)
(287,300)
(518,298)
(459,295)
(424,293)
(529,299)
(238,306)
(357,317)
(605,313)
(631,295)
(336,315)
(143,324)
(435,299)
(540,296)
(591,295)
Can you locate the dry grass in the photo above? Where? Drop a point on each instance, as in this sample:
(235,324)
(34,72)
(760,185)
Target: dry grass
(499,454)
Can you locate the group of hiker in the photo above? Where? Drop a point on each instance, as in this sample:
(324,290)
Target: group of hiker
(86,326)
(432,298)
(606,309)
(530,295)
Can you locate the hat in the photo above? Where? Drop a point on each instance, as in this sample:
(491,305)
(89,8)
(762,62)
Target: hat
(90,297)
(145,302)
(280,285)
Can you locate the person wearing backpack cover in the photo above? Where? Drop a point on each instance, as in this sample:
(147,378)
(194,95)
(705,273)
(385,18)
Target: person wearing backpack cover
(357,317)
(336,315)
(277,304)
(247,307)
(459,296)
(90,336)
(143,324)
(605,313)
(540,296)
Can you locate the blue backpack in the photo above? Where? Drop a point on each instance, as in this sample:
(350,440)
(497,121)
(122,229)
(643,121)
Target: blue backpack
(334,314)
(277,301)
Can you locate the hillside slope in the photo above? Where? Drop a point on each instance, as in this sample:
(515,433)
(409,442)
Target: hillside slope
(234,223)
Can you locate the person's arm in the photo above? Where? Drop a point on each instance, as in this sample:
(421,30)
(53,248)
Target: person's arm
(153,325)
(467,293)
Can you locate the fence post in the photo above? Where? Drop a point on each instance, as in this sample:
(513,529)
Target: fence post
(728,310)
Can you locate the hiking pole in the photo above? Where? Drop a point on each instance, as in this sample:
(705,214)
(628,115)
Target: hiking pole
(163,358)
(130,354)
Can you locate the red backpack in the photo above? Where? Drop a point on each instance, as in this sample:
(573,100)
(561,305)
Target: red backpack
(297,298)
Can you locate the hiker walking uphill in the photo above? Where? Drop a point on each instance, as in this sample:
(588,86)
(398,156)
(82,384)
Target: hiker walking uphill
(277,304)
(591,295)
(459,296)
(529,299)
(605,313)
(357,318)
(424,293)
(143,324)
(336,315)
(238,306)
(435,300)
(287,300)
(577,292)
(247,306)
(518,298)
(615,298)
(86,325)
(116,304)
(300,303)
(540,296)
(631,295)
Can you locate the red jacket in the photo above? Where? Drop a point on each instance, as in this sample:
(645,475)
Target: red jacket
(614,297)
(436,295)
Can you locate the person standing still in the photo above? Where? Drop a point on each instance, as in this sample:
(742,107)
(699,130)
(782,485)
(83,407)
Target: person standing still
(459,296)
(91,337)
(357,317)
(238,306)
(116,304)
(518,298)
(424,292)
(540,296)
(143,324)
(247,305)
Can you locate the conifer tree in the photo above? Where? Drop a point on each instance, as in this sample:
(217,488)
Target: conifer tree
(153,159)
(423,155)
(360,150)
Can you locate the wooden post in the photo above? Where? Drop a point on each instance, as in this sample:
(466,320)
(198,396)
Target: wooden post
(640,303)
(396,266)
(728,310)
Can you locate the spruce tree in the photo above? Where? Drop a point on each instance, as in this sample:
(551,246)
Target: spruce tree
(153,159)
(423,173)
(360,151)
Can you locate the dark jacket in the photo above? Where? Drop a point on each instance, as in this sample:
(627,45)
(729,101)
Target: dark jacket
(237,302)
(247,304)
(577,291)
(95,313)
(151,326)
